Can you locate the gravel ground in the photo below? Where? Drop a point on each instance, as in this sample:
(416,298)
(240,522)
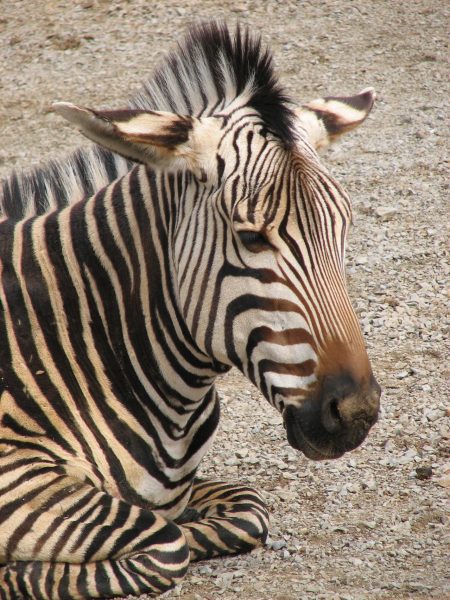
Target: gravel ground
(372,524)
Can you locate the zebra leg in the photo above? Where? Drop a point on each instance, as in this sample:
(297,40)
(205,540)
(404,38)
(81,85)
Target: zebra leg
(223,519)
(63,539)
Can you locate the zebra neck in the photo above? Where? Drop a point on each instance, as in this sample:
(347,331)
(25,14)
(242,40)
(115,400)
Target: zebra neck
(117,276)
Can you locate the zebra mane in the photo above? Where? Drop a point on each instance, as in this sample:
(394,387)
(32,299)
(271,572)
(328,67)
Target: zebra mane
(59,182)
(208,71)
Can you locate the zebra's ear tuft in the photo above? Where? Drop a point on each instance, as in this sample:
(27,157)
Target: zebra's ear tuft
(326,119)
(155,138)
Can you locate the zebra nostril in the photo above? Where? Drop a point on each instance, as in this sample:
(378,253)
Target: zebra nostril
(331,415)
(334,409)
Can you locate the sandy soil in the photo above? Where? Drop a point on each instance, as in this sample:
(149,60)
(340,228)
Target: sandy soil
(366,526)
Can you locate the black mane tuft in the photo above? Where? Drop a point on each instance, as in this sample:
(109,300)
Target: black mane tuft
(212,67)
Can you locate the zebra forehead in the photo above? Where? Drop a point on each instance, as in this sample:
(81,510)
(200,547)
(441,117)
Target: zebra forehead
(285,180)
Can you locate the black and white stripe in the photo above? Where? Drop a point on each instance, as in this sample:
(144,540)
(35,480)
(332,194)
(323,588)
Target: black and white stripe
(126,289)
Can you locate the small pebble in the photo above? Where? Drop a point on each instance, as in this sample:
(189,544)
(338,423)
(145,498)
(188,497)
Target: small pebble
(424,472)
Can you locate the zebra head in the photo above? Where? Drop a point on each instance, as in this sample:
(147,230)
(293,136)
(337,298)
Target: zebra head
(258,231)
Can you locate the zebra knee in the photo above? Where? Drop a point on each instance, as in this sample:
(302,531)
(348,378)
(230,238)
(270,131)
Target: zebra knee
(157,580)
(219,499)
(233,519)
(246,502)
(164,563)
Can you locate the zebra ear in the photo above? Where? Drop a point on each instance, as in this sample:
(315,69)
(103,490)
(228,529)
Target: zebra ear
(326,119)
(155,138)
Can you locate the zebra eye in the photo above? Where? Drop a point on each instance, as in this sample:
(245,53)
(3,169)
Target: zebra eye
(254,241)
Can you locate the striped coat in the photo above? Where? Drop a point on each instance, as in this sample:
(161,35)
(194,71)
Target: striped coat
(126,289)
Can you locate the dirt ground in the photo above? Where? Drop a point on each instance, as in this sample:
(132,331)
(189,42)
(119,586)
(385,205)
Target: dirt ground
(369,525)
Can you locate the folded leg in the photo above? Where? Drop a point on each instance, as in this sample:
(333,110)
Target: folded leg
(223,519)
(63,539)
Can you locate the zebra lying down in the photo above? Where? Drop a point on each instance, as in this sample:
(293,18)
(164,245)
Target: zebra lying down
(201,232)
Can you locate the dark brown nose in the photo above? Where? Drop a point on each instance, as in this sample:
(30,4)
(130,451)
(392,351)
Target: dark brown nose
(336,418)
(344,401)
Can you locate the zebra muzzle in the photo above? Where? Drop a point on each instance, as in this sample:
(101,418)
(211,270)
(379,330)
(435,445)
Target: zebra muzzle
(335,420)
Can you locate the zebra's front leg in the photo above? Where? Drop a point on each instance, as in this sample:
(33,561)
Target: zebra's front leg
(222,518)
(63,539)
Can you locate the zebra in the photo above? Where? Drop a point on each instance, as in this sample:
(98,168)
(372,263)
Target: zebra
(201,232)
